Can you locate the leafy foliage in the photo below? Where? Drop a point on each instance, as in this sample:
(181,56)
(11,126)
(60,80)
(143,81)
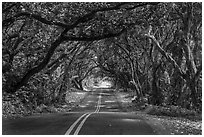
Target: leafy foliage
(151,49)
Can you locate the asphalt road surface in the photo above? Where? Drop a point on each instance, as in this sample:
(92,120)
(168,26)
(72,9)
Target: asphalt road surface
(100,113)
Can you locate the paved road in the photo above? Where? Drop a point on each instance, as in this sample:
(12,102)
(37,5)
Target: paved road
(99,113)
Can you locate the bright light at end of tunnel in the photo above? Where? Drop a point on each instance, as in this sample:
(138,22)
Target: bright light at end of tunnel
(105,84)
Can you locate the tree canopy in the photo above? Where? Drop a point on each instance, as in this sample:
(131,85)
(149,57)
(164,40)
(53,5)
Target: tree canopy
(151,48)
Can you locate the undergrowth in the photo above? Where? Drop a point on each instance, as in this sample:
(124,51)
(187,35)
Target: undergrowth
(13,106)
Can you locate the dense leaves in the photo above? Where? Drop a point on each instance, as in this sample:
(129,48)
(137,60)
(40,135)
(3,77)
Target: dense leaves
(152,50)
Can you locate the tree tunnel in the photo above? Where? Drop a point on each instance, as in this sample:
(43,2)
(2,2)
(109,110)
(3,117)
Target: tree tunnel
(145,47)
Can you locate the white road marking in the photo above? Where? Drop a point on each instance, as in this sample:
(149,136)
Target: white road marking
(84,116)
(74,124)
(81,124)
(98,106)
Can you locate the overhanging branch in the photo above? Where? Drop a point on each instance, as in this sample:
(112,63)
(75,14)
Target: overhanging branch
(92,38)
(164,53)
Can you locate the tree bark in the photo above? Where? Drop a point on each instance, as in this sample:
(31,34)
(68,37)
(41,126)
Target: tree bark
(192,70)
(63,87)
(135,81)
(155,95)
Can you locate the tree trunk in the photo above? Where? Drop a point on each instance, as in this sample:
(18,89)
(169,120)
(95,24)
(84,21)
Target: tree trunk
(80,84)
(192,87)
(64,85)
(156,92)
(135,81)
(66,82)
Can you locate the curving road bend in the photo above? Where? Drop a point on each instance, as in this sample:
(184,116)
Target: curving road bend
(100,113)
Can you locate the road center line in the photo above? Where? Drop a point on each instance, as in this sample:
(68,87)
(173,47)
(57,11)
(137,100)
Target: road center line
(84,116)
(74,124)
(98,105)
(81,124)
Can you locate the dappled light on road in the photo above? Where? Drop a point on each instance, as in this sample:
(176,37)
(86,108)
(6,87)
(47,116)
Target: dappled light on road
(131,120)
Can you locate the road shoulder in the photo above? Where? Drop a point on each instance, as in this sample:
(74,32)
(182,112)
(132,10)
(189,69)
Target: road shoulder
(163,125)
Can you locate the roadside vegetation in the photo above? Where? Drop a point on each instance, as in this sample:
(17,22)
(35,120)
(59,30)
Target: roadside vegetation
(14,107)
(171,120)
